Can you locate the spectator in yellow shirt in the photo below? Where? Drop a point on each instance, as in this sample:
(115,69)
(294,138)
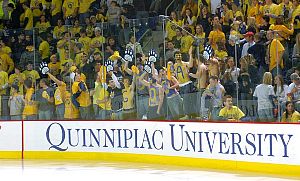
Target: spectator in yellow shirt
(191,5)
(54,65)
(59,30)
(30,108)
(216,36)
(70,11)
(43,24)
(81,97)
(56,7)
(18,79)
(290,115)
(84,40)
(31,74)
(186,42)
(36,6)
(230,112)
(170,27)
(6,63)
(44,47)
(28,16)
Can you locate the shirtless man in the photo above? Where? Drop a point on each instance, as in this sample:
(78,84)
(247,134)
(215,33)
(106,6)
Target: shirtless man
(201,76)
(214,67)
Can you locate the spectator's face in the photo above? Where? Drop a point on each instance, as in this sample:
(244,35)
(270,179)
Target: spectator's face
(290,107)
(213,82)
(295,2)
(198,29)
(228,103)
(76,23)
(67,36)
(276,80)
(126,82)
(22,36)
(43,19)
(178,57)
(17,71)
(97,33)
(230,63)
(170,45)
(204,10)
(97,57)
(112,84)
(178,32)
(188,12)
(29,67)
(87,21)
(27,38)
(111,41)
(173,15)
(132,39)
(162,72)
(42,84)
(84,58)
(54,59)
(216,20)
(59,23)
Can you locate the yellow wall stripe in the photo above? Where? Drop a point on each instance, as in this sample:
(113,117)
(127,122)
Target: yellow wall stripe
(228,165)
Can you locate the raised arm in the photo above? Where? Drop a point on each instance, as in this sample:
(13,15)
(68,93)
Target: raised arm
(143,81)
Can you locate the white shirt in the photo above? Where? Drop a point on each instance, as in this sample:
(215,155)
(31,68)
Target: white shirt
(263,92)
(246,46)
(296,94)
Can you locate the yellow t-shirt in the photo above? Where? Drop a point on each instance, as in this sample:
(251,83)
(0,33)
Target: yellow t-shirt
(186,43)
(3,81)
(63,61)
(84,98)
(17,80)
(275,48)
(54,68)
(36,5)
(216,36)
(221,54)
(84,5)
(30,107)
(233,113)
(283,31)
(29,15)
(44,49)
(70,6)
(128,98)
(75,30)
(99,39)
(182,72)
(6,49)
(295,13)
(59,94)
(86,41)
(62,51)
(294,118)
(227,16)
(58,31)
(71,112)
(42,26)
(270,9)
(254,11)
(171,28)
(57,4)
(100,94)
(32,75)
(78,58)
(6,63)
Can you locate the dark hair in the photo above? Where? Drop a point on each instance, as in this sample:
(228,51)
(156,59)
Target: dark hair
(226,97)
(214,77)
(46,81)
(286,112)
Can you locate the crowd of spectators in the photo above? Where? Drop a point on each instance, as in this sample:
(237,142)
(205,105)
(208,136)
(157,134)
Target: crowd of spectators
(58,61)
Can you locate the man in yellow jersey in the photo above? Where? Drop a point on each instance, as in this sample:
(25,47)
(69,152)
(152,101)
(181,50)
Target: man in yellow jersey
(28,16)
(101,100)
(81,97)
(31,74)
(84,40)
(18,79)
(36,6)
(186,42)
(65,44)
(30,108)
(270,9)
(181,69)
(275,52)
(6,63)
(55,10)
(44,47)
(70,11)
(230,112)
(4,111)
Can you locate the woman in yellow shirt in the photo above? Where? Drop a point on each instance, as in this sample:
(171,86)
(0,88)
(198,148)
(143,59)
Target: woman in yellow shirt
(189,20)
(30,108)
(43,24)
(201,35)
(290,115)
(171,27)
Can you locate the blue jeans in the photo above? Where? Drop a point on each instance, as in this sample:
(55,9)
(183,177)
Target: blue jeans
(45,115)
(265,115)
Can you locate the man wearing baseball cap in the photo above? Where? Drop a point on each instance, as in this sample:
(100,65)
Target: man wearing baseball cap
(249,36)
